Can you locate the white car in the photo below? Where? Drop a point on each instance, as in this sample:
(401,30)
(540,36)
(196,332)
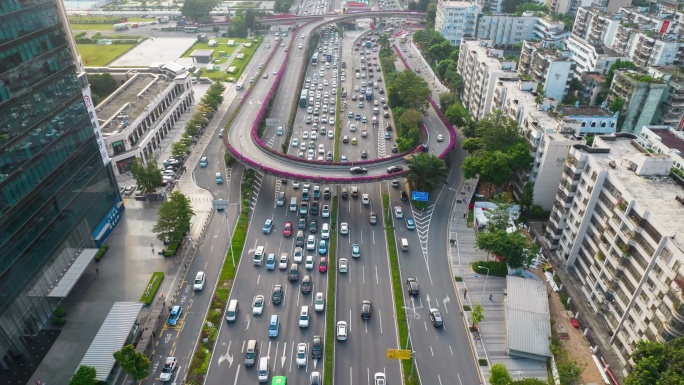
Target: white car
(365,199)
(398,213)
(301,355)
(379,378)
(321,149)
(310,244)
(282,264)
(309,265)
(326,211)
(314,135)
(167,370)
(305,134)
(342,331)
(343,265)
(298,253)
(331,134)
(295,142)
(258,305)
(440,138)
(319,302)
(344,228)
(304,317)
(295,185)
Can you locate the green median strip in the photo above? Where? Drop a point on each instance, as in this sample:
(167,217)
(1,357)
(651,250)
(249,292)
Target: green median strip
(338,130)
(330,301)
(202,355)
(397,287)
(152,287)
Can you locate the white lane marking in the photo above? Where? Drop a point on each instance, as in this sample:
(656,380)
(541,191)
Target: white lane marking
(451,350)
(373,236)
(258,278)
(361,243)
(237,374)
(377,280)
(363,274)
(440,379)
(291,355)
(380,315)
(432,351)
(445,301)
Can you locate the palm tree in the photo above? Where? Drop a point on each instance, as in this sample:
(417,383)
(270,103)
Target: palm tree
(426,172)
(384,43)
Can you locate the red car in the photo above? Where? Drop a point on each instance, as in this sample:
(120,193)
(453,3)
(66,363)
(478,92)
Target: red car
(287,231)
(323,265)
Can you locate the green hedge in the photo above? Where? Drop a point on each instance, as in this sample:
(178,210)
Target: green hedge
(330,299)
(100,253)
(496,268)
(398,291)
(152,288)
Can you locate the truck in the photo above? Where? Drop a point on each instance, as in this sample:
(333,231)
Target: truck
(163,19)
(120,26)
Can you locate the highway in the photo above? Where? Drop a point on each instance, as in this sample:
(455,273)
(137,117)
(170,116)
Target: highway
(368,278)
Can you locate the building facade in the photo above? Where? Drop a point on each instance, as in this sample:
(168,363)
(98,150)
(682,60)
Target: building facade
(641,95)
(457,19)
(481,66)
(551,68)
(59,196)
(506,29)
(592,58)
(592,86)
(616,222)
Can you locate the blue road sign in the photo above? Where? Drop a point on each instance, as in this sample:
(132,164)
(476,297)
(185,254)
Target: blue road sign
(419,196)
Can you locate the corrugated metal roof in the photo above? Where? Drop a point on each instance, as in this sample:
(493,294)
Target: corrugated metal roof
(528,318)
(73,274)
(111,337)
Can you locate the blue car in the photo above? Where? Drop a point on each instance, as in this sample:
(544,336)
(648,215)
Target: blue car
(322,247)
(175,314)
(204,161)
(270,262)
(350,114)
(358,117)
(268,226)
(280,131)
(410,224)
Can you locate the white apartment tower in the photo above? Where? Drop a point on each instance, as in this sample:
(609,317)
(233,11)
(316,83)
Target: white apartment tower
(618,222)
(457,19)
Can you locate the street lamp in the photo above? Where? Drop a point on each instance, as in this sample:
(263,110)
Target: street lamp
(485,284)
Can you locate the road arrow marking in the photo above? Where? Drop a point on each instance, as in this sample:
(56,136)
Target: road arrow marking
(227,356)
(446,300)
(283,358)
(428,299)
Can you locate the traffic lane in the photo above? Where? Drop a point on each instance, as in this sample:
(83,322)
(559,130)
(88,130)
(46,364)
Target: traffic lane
(369,278)
(254,280)
(179,340)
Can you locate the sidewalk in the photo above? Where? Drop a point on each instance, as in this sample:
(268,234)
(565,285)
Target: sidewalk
(493,329)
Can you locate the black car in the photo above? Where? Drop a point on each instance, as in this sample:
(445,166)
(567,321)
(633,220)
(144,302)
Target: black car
(395,149)
(313,226)
(404,195)
(373,218)
(302,224)
(388,127)
(317,347)
(436,318)
(344,193)
(394,169)
(412,285)
(358,170)
(364,154)
(366,309)
(326,193)
(306,284)
(277,296)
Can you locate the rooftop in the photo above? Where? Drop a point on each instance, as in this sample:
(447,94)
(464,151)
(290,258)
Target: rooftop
(129,101)
(669,138)
(585,111)
(202,53)
(656,194)
(604,50)
(595,76)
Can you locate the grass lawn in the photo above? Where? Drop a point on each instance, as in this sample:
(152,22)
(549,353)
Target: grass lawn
(239,64)
(222,46)
(99,55)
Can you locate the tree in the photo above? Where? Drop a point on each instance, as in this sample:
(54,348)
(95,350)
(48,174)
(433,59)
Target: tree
(409,91)
(198,10)
(526,202)
(147,177)
(423,4)
(101,86)
(514,248)
(529,381)
(499,218)
(178,149)
(446,100)
(457,115)
(440,51)
(412,6)
(411,117)
(431,15)
(572,95)
(616,105)
(85,375)
(500,375)
(477,314)
(426,172)
(510,6)
(134,363)
(658,363)
(173,217)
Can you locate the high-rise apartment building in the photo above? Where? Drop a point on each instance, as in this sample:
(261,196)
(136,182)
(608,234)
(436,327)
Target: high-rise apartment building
(616,224)
(457,19)
(551,68)
(58,196)
(641,94)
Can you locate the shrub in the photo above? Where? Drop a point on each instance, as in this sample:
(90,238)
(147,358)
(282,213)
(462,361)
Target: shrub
(482,362)
(152,287)
(458,279)
(496,268)
(100,253)
(466,307)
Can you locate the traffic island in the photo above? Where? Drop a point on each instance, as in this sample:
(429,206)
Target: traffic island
(328,369)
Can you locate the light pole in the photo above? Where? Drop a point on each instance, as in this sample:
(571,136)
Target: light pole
(485,284)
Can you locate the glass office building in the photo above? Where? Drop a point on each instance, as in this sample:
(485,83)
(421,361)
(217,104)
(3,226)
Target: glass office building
(58,196)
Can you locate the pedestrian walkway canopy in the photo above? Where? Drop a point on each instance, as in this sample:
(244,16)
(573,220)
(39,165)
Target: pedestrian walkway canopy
(527,318)
(72,274)
(117,330)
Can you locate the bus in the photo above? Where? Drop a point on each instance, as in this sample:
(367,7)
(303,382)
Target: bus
(328,57)
(302,99)
(369,94)
(314,59)
(191,29)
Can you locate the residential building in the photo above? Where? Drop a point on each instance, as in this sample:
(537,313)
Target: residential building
(655,50)
(141,113)
(481,66)
(551,68)
(641,94)
(457,19)
(663,140)
(549,31)
(504,29)
(672,103)
(587,120)
(595,27)
(615,223)
(611,5)
(569,7)
(592,86)
(590,57)
(490,6)
(59,199)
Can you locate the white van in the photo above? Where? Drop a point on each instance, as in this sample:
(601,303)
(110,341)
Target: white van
(251,352)
(358,75)
(293,204)
(259,256)
(199,281)
(263,369)
(238,86)
(403,242)
(325,231)
(233,308)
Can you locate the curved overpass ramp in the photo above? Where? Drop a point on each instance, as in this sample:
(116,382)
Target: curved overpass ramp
(244,144)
